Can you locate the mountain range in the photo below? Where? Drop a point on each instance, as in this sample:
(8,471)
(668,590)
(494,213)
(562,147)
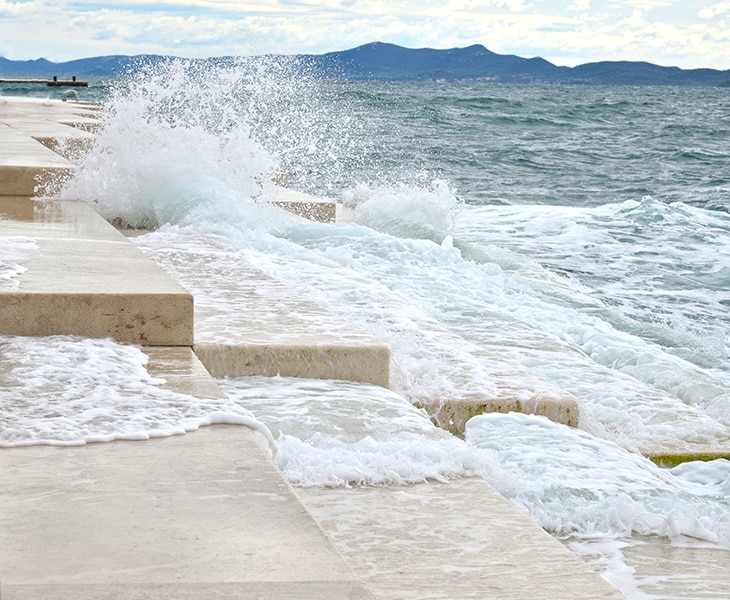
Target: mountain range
(382,61)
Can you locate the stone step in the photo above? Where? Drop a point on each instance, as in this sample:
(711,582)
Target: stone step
(201,515)
(25,163)
(475,381)
(248,323)
(672,455)
(299,203)
(70,272)
(30,131)
(456,539)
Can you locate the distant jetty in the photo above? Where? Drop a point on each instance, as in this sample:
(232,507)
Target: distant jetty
(55,82)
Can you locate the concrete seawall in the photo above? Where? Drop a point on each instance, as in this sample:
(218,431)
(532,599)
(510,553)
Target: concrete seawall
(208,514)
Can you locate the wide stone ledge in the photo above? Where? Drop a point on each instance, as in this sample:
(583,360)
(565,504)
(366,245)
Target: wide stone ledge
(202,515)
(16,111)
(248,323)
(44,218)
(451,540)
(36,139)
(73,273)
(26,163)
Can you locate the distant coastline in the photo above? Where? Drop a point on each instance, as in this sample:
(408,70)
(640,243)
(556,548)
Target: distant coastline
(379,61)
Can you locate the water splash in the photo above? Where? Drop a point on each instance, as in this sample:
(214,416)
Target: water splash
(182,136)
(406,210)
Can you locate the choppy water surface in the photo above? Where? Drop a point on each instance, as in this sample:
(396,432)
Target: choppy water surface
(580,232)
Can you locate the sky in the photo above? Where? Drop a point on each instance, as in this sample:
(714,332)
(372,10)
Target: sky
(683,33)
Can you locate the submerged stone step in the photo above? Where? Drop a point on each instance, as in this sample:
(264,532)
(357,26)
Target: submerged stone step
(455,539)
(248,323)
(473,381)
(672,456)
(299,203)
(67,271)
(517,391)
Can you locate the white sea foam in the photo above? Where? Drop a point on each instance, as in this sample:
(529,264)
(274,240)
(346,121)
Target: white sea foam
(14,250)
(409,293)
(335,433)
(168,148)
(405,291)
(66,390)
(660,271)
(571,482)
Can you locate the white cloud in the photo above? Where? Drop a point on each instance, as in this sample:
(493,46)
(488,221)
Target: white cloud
(717,9)
(648,4)
(662,31)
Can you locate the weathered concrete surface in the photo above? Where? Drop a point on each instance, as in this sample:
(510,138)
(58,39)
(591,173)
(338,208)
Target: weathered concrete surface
(27,127)
(204,515)
(481,382)
(459,539)
(305,205)
(80,276)
(248,323)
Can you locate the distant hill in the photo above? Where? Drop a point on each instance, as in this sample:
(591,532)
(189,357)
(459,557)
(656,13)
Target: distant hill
(100,66)
(388,61)
(381,61)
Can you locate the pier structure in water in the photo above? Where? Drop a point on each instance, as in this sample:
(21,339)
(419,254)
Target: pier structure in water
(53,82)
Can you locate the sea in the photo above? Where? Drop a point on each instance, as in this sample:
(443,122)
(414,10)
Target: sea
(579,232)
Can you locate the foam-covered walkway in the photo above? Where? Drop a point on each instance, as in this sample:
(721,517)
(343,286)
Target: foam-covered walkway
(207,514)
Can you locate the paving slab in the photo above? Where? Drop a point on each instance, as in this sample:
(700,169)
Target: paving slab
(75,274)
(199,516)
(30,131)
(24,163)
(459,539)
(299,203)
(248,323)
